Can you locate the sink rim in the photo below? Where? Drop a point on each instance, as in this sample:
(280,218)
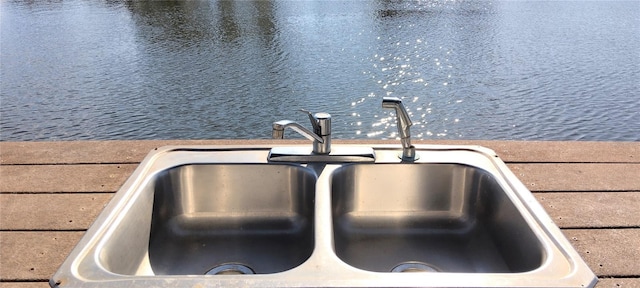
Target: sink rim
(82,268)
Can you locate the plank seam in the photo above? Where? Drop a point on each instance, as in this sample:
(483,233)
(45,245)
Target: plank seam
(25,280)
(68,163)
(57,193)
(600,228)
(44,230)
(568,162)
(616,276)
(72,164)
(138,162)
(583,191)
(36,231)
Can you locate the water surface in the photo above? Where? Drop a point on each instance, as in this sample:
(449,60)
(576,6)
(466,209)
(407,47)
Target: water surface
(518,70)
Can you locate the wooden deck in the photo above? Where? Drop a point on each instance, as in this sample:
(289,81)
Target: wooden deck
(50,193)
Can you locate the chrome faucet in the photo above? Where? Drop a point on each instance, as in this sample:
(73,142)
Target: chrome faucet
(321,135)
(404,125)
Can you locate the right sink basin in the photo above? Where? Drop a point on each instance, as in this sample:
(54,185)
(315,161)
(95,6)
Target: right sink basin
(429,217)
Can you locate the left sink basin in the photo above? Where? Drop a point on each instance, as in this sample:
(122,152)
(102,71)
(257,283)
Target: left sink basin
(220,219)
(231,219)
(219,214)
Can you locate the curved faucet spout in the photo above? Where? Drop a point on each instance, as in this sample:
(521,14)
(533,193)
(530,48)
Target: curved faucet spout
(279,126)
(321,134)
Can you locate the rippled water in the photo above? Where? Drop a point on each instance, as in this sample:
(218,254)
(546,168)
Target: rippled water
(226,69)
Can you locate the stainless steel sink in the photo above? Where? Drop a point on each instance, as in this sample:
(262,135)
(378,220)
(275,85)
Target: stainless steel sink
(228,216)
(212,218)
(429,217)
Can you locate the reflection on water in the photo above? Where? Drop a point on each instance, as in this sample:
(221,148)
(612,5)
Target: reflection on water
(226,69)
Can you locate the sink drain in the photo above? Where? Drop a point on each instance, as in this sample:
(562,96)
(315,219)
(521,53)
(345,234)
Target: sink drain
(230,269)
(414,266)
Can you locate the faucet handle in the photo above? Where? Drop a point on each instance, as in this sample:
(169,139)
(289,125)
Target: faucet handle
(320,121)
(314,121)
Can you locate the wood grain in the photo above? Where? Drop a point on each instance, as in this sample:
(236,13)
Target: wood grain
(50,211)
(578,177)
(592,209)
(34,255)
(64,178)
(608,252)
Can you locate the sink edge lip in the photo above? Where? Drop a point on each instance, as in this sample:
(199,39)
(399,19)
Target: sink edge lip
(542,219)
(87,246)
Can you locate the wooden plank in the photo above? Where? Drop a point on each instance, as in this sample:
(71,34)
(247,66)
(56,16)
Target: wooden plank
(64,178)
(578,177)
(50,211)
(80,152)
(109,177)
(42,284)
(618,282)
(76,152)
(29,256)
(565,151)
(34,255)
(608,252)
(592,209)
(64,211)
(97,152)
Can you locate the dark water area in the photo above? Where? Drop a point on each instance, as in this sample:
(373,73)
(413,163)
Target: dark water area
(503,70)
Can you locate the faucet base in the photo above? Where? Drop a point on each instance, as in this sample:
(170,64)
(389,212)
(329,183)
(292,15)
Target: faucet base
(405,158)
(338,154)
(409,154)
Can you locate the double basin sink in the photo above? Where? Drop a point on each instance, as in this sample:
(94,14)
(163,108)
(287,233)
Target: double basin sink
(228,216)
